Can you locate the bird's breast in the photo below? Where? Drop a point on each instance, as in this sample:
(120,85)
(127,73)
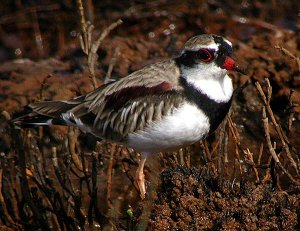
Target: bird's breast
(186,125)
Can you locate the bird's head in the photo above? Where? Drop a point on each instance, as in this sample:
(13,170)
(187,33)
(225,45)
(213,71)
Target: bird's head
(210,55)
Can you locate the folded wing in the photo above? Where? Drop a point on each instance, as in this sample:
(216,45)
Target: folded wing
(113,111)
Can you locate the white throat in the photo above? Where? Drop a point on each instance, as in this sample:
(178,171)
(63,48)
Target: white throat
(210,80)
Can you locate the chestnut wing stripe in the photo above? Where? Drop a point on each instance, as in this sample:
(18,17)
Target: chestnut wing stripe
(118,99)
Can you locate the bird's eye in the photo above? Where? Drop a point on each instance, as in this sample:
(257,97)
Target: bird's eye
(205,55)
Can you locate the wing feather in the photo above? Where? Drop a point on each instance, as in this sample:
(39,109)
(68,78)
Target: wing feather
(114,110)
(141,115)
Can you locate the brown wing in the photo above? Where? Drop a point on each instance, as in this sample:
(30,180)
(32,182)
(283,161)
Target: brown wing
(116,121)
(143,95)
(114,110)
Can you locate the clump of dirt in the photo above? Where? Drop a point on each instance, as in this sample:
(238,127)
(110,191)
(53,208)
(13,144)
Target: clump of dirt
(193,199)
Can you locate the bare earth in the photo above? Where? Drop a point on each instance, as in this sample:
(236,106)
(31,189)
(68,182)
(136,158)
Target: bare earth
(60,179)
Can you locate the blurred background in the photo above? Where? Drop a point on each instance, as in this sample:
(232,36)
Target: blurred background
(60,179)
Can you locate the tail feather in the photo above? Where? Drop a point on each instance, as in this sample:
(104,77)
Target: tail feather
(43,113)
(34,119)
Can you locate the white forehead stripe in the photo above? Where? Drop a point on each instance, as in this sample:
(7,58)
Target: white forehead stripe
(210,46)
(227,41)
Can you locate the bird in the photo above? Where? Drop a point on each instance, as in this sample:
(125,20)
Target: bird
(162,107)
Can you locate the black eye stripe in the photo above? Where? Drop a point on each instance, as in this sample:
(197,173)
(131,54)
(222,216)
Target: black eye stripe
(192,57)
(200,54)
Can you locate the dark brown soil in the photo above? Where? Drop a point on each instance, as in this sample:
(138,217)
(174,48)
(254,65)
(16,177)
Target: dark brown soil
(193,199)
(229,182)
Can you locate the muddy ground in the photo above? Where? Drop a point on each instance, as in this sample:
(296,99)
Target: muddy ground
(60,179)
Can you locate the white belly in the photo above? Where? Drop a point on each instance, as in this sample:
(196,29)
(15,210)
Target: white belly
(185,126)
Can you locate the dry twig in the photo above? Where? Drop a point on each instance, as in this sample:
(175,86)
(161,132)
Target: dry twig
(72,139)
(237,141)
(261,149)
(291,111)
(266,100)
(221,146)
(289,54)
(272,149)
(206,153)
(90,46)
(249,158)
(43,85)
(109,175)
(2,202)
(112,64)
(181,157)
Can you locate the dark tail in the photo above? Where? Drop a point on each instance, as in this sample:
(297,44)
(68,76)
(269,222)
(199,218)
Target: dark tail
(43,113)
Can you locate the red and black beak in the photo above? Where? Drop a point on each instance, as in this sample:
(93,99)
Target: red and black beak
(231,65)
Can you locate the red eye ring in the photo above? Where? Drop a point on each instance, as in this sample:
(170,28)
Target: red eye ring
(205,55)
